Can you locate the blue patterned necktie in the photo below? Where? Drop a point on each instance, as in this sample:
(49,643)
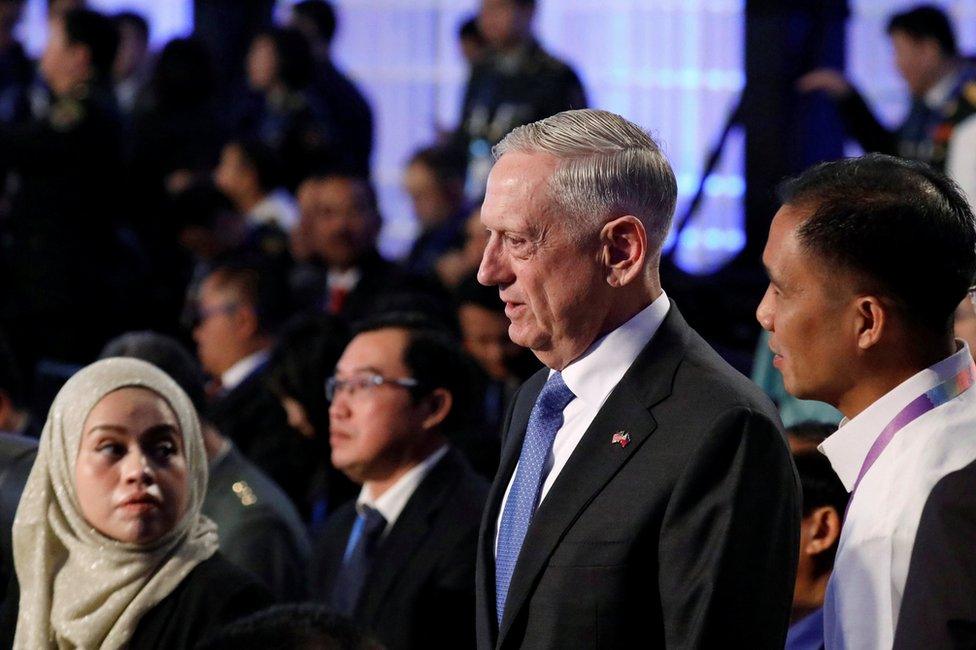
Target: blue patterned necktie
(544,422)
(366,531)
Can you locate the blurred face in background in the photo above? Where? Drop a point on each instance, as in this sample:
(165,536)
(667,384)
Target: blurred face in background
(338,220)
(920,61)
(262,64)
(220,332)
(433,204)
(504,23)
(64,65)
(234,176)
(131,55)
(131,471)
(486,339)
(57,8)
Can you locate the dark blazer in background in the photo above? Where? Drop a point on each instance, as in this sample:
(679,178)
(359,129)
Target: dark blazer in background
(420,592)
(253,418)
(258,526)
(938,609)
(687,537)
(17,455)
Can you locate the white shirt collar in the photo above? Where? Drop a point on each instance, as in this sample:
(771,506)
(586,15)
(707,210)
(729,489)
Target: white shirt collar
(849,445)
(237,373)
(276,208)
(392,502)
(347,279)
(936,96)
(593,375)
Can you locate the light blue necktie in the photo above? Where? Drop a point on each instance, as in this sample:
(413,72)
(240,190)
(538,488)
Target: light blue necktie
(544,422)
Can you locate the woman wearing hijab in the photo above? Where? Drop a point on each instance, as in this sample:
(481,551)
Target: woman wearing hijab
(110,547)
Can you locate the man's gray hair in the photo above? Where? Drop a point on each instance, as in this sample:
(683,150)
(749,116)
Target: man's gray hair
(608,167)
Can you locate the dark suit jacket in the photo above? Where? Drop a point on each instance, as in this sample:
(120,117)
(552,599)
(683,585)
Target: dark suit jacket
(938,609)
(253,418)
(214,594)
(258,526)
(685,537)
(420,592)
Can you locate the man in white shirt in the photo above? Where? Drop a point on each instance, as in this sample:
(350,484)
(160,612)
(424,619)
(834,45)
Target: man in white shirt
(645,496)
(400,561)
(867,259)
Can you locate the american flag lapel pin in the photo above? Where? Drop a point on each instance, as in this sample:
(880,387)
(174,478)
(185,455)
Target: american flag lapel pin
(621,438)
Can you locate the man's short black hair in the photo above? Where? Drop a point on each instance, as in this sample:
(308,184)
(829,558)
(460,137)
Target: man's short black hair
(469,29)
(136,21)
(295,65)
(924,22)
(435,358)
(302,626)
(903,229)
(263,159)
(821,487)
(165,353)
(95,32)
(448,164)
(321,14)
(258,285)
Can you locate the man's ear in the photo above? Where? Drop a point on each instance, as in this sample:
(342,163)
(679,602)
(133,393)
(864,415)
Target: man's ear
(438,403)
(825,530)
(870,320)
(623,249)
(246,321)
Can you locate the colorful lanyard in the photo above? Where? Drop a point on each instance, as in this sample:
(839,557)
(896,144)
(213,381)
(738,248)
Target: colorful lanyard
(948,390)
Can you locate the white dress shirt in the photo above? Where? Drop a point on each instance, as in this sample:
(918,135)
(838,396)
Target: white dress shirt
(278,209)
(237,373)
(392,502)
(591,378)
(865,590)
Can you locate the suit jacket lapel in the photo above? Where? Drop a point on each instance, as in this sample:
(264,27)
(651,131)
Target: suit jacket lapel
(595,460)
(409,532)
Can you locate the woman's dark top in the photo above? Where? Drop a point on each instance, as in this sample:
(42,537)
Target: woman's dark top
(214,594)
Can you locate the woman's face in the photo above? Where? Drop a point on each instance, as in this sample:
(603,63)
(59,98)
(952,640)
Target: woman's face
(262,64)
(131,473)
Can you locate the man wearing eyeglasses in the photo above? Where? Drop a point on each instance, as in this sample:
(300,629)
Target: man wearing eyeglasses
(401,560)
(238,310)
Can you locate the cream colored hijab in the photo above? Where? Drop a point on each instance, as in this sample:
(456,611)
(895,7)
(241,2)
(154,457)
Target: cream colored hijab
(79,588)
